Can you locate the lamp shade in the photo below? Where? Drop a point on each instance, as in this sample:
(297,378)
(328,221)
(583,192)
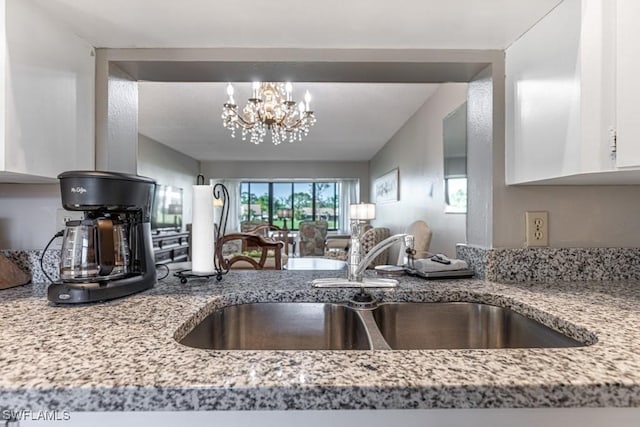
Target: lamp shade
(284,213)
(362,211)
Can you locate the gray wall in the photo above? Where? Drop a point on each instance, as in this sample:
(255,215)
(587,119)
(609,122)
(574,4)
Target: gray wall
(28,215)
(168,167)
(290,169)
(417,151)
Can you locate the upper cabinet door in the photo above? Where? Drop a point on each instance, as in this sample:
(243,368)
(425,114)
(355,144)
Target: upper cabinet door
(627,83)
(571,81)
(559,95)
(49,86)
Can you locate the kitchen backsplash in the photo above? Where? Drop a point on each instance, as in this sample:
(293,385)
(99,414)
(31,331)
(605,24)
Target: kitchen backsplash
(499,265)
(511,265)
(29,261)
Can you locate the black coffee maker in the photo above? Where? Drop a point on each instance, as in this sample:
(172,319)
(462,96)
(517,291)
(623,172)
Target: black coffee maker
(108,254)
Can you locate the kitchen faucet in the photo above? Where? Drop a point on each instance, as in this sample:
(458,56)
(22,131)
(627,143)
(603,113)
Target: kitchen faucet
(357,264)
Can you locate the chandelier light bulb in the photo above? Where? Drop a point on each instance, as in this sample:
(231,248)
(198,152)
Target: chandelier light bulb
(301,108)
(229,90)
(256,89)
(288,88)
(307,99)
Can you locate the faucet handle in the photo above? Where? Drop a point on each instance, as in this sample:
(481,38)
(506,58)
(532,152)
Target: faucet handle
(409,241)
(411,257)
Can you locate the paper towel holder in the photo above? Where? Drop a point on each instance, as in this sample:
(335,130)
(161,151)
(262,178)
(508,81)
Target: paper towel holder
(220,194)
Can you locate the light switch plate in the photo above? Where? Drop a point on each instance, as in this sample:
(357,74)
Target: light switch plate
(537,228)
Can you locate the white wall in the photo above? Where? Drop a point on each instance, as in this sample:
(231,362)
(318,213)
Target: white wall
(48,95)
(482,136)
(28,215)
(417,151)
(168,167)
(116,118)
(49,112)
(290,170)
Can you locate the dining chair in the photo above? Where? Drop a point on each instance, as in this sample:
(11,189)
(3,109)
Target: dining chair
(264,246)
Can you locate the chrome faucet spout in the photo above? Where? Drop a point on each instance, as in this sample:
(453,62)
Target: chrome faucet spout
(356,270)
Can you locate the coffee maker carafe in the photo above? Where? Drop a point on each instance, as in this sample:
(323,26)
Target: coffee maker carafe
(109,253)
(94,248)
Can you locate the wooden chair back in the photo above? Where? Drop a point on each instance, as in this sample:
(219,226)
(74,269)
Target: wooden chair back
(252,240)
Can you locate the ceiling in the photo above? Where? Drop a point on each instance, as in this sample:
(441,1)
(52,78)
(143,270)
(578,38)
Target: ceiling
(354,120)
(424,24)
(186,117)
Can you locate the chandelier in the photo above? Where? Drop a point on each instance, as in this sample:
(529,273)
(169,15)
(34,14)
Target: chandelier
(270,108)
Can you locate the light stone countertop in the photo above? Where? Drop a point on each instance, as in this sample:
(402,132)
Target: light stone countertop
(122,355)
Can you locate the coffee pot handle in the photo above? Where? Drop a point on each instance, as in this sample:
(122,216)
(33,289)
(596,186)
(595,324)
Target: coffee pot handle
(106,248)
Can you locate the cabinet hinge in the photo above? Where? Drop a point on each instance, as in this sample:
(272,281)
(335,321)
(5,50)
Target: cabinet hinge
(613,143)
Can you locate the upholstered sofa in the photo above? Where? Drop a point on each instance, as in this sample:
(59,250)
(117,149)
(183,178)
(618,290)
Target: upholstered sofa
(372,237)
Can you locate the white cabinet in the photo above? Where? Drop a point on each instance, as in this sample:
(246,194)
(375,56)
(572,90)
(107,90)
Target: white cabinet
(627,82)
(561,103)
(47,79)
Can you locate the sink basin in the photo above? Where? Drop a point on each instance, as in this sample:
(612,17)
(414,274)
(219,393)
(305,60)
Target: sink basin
(390,326)
(280,326)
(462,325)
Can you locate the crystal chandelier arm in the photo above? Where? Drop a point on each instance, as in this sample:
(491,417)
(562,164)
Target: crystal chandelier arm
(237,117)
(308,117)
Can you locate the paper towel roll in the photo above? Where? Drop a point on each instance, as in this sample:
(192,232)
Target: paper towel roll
(202,230)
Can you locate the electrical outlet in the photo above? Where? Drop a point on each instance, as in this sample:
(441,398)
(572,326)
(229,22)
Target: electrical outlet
(537,228)
(63,215)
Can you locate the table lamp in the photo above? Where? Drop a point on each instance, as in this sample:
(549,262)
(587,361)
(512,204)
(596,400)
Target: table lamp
(284,213)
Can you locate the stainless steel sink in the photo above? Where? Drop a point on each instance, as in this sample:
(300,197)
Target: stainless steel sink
(460,325)
(390,326)
(280,326)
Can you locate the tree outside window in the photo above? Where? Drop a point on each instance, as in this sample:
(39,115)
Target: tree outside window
(308,201)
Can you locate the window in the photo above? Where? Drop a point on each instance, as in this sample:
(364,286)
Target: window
(255,199)
(456,195)
(306,200)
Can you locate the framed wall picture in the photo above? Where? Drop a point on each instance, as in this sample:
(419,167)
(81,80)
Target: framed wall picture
(386,187)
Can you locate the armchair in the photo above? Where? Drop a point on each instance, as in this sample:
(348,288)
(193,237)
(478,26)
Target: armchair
(311,238)
(422,240)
